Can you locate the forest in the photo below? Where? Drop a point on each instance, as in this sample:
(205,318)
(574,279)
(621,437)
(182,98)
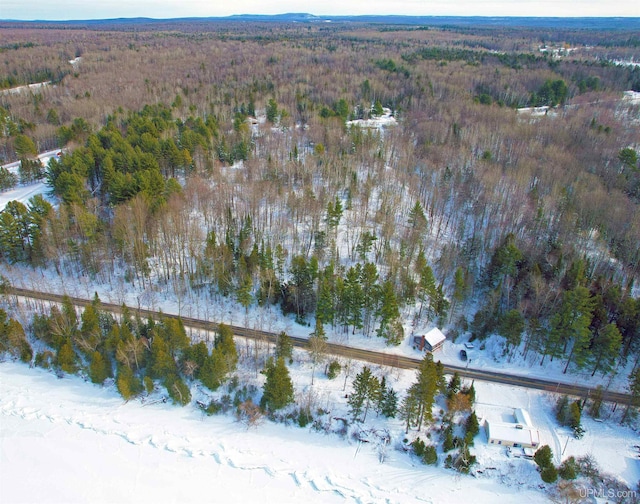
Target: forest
(221,160)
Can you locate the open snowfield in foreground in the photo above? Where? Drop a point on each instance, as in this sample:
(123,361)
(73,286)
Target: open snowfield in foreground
(66,440)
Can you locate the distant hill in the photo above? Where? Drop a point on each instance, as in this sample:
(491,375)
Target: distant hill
(593,23)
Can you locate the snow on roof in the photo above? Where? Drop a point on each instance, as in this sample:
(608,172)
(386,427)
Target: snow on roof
(512,434)
(434,337)
(523,418)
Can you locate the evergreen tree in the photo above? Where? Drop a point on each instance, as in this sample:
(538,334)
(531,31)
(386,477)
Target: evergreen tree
(448,443)
(511,327)
(389,402)
(272,111)
(175,335)
(388,312)
(326,306)
(198,354)
(571,323)
(596,404)
(284,347)
(472,428)
(569,469)
(427,290)
(178,390)
(162,364)
(353,299)
(225,343)
(90,334)
(214,370)
(370,294)
(13,338)
(605,348)
(549,474)
(410,407)
(427,388)
(128,385)
(98,369)
(543,457)
(317,347)
(454,385)
(278,387)
(243,293)
(366,391)
(634,390)
(66,358)
(459,288)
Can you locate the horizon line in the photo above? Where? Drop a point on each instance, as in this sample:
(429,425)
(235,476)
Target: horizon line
(312,17)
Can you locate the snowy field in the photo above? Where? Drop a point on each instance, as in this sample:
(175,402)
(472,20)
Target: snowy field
(66,440)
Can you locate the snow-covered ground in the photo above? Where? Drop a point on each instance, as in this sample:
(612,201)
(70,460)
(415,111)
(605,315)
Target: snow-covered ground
(23,193)
(632,97)
(378,122)
(537,111)
(28,87)
(66,440)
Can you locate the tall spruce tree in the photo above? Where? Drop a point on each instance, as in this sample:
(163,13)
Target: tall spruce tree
(366,391)
(427,388)
(605,348)
(278,387)
(410,407)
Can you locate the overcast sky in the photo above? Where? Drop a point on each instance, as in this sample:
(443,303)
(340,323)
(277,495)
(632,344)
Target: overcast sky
(104,9)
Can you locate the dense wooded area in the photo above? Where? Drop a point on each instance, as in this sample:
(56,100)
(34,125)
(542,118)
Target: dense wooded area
(216,159)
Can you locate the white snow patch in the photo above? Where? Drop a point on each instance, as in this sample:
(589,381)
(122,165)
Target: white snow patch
(377,122)
(29,87)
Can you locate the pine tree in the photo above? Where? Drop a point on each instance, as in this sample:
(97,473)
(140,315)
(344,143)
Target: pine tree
(472,428)
(605,348)
(243,293)
(178,390)
(162,363)
(389,403)
(410,407)
(596,398)
(366,391)
(66,358)
(284,347)
(543,457)
(128,385)
(326,306)
(634,390)
(278,387)
(90,334)
(454,385)
(353,299)
(214,370)
(317,347)
(98,369)
(428,384)
(389,313)
(570,323)
(370,294)
(225,343)
(459,288)
(511,327)
(427,289)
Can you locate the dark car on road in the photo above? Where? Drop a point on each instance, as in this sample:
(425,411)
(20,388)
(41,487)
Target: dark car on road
(463,354)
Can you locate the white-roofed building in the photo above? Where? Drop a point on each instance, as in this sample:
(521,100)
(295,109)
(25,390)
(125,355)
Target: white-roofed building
(520,434)
(431,341)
